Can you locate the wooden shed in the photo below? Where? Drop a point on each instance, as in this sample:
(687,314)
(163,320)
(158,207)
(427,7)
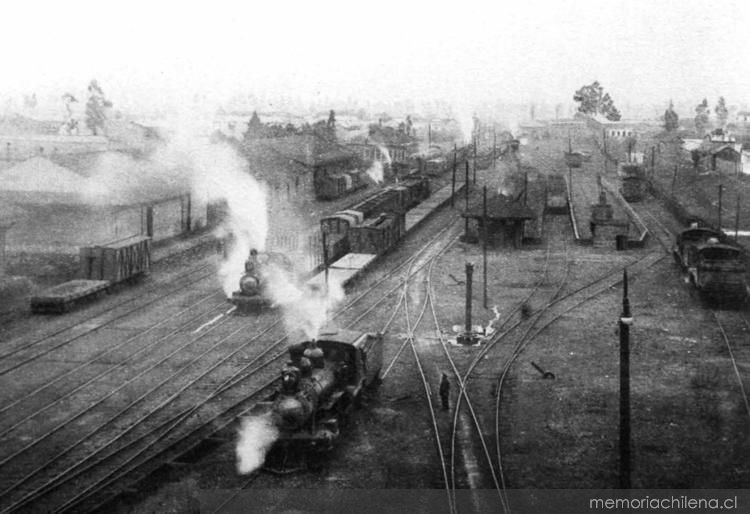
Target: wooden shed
(505,221)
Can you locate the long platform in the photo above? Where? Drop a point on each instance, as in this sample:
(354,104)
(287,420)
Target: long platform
(351,266)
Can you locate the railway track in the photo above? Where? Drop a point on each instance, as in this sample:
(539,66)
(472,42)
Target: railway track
(92,460)
(92,324)
(734,329)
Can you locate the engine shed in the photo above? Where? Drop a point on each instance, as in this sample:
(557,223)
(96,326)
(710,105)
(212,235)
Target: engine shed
(505,221)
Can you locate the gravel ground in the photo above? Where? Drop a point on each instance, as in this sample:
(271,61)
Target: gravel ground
(689,423)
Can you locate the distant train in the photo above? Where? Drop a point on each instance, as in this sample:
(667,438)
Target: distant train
(633,177)
(252,295)
(330,186)
(713,264)
(376,223)
(320,384)
(557,195)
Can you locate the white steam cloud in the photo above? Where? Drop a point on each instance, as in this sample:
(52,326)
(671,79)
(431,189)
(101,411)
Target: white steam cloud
(256,436)
(305,309)
(212,172)
(218,173)
(375,172)
(386,154)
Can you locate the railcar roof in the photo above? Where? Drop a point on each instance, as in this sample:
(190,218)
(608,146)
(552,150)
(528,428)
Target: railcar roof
(719,246)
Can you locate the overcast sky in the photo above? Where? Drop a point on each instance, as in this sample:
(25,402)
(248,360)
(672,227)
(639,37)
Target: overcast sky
(462,51)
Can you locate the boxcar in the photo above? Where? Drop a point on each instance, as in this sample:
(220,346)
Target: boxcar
(119,261)
(377,235)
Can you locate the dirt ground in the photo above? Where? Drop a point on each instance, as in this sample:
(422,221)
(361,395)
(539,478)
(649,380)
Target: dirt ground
(689,423)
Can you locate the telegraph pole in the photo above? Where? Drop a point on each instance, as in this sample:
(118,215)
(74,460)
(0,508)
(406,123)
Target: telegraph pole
(453,183)
(720,191)
(325,257)
(494,145)
(466,191)
(475,160)
(484,242)
(626,319)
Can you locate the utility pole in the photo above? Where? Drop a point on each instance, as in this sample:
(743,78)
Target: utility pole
(453,183)
(325,257)
(466,191)
(626,319)
(475,160)
(494,145)
(484,241)
(720,191)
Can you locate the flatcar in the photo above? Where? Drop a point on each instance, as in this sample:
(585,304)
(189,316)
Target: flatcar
(713,264)
(320,384)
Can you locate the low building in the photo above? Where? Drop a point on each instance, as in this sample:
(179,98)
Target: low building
(505,220)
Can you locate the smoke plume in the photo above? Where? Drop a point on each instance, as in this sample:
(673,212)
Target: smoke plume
(211,172)
(305,308)
(256,436)
(375,172)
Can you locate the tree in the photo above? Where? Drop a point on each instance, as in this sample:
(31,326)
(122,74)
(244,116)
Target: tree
(95,108)
(671,120)
(701,117)
(722,113)
(589,97)
(593,100)
(608,109)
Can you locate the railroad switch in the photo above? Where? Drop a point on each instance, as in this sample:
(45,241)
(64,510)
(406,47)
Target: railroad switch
(545,374)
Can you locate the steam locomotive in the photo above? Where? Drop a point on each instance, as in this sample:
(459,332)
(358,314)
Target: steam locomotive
(322,381)
(713,264)
(252,295)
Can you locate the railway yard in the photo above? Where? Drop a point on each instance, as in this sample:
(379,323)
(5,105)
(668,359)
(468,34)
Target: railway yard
(133,403)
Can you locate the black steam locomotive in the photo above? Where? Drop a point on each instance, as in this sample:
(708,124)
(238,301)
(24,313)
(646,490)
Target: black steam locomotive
(322,381)
(252,295)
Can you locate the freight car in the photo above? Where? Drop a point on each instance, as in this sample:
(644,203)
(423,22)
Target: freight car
(101,268)
(336,185)
(633,177)
(392,201)
(320,384)
(713,264)
(252,295)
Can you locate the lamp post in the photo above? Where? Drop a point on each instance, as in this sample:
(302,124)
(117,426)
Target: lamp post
(626,319)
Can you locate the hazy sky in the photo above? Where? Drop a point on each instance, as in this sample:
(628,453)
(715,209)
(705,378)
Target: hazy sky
(463,51)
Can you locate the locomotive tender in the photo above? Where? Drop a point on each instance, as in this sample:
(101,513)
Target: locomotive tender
(322,381)
(713,264)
